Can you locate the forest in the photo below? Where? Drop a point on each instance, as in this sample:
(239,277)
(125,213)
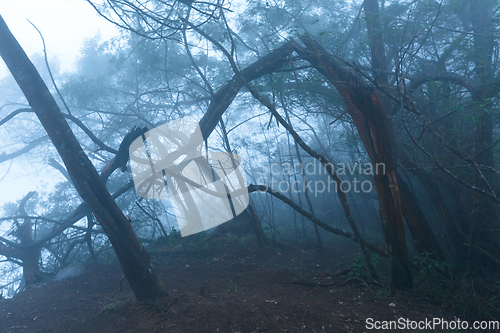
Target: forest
(257,165)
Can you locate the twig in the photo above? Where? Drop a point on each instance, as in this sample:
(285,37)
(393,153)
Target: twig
(358,279)
(121,287)
(48,68)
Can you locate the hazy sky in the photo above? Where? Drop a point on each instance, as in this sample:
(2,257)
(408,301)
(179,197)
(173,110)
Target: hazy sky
(65,24)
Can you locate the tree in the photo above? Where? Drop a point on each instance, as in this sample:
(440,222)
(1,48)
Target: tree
(132,256)
(410,85)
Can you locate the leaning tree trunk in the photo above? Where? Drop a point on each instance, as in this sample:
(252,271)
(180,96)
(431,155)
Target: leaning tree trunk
(377,137)
(133,257)
(419,228)
(365,108)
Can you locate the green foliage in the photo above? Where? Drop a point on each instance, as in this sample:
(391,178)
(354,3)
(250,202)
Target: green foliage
(136,80)
(232,286)
(426,265)
(174,235)
(358,268)
(466,295)
(114,307)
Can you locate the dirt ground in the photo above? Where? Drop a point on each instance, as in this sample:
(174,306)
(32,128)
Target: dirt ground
(233,288)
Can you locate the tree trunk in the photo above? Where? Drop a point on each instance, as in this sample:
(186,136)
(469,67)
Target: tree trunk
(421,233)
(256,225)
(29,256)
(376,42)
(31,271)
(366,109)
(133,257)
(485,213)
(420,229)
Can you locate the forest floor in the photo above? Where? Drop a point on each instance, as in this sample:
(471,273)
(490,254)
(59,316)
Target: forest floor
(232,288)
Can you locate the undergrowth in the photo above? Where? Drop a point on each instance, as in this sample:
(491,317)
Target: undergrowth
(466,294)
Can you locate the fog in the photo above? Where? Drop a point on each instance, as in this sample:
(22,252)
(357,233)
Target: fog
(323,138)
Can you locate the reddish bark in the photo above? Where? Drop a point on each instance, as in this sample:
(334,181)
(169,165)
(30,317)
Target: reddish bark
(366,109)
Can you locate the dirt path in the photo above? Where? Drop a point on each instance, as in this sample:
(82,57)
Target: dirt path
(239,289)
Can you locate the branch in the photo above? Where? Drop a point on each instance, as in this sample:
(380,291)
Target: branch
(225,95)
(91,135)
(9,251)
(468,84)
(446,171)
(122,155)
(48,67)
(53,163)
(77,121)
(6,157)
(313,219)
(322,159)
(13,114)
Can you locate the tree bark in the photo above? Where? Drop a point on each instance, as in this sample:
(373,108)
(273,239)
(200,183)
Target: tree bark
(420,230)
(485,213)
(365,107)
(31,271)
(376,41)
(433,190)
(133,257)
(226,94)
